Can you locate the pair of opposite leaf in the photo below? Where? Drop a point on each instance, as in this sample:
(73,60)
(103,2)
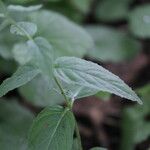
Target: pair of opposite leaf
(54,126)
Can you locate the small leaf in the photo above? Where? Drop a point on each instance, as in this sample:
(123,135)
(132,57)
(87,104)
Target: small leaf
(23,9)
(23,75)
(85,78)
(139,21)
(52,130)
(23,28)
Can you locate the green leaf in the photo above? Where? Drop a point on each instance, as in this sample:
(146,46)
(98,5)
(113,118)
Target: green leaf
(65,37)
(135,127)
(23,75)
(22,54)
(52,129)
(2,15)
(103,95)
(139,21)
(75,145)
(82,5)
(38,52)
(23,9)
(84,78)
(118,9)
(46,97)
(15,122)
(23,28)
(98,148)
(111,44)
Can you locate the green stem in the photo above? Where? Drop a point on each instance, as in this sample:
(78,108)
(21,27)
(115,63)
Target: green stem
(78,136)
(69,102)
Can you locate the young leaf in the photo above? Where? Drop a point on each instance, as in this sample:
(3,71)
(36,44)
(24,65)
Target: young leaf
(15,122)
(139,21)
(23,9)
(23,75)
(65,37)
(90,77)
(23,28)
(52,130)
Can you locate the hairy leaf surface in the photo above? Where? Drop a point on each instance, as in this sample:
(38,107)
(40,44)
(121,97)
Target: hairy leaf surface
(86,78)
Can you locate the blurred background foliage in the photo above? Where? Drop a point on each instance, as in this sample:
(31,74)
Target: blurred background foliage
(114,33)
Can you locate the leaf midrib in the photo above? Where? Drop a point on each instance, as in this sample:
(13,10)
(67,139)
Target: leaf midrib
(57,125)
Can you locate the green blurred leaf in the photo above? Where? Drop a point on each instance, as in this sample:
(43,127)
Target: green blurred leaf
(84,78)
(103,95)
(52,129)
(14,125)
(82,5)
(135,128)
(23,75)
(66,37)
(112,10)
(46,97)
(139,21)
(23,28)
(111,44)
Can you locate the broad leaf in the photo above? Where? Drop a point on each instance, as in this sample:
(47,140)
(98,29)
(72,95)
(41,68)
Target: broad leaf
(65,37)
(23,28)
(52,129)
(111,44)
(139,21)
(46,97)
(15,122)
(84,78)
(19,8)
(23,75)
